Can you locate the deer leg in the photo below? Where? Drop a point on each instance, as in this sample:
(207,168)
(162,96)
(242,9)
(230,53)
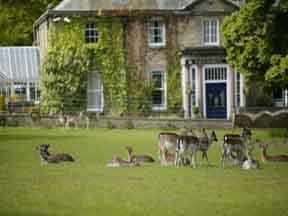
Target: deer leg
(204,154)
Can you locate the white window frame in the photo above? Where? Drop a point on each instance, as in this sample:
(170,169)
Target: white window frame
(89,27)
(241,89)
(164,89)
(228,86)
(162,25)
(101,90)
(210,42)
(196,86)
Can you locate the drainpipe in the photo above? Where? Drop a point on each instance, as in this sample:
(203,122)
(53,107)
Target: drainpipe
(286,98)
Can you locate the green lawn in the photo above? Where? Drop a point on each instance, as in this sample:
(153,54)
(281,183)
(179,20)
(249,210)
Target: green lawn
(88,188)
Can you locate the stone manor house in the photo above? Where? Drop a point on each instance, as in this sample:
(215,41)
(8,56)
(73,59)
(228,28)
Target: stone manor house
(215,87)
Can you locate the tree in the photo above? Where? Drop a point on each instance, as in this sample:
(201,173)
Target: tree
(17,18)
(256,41)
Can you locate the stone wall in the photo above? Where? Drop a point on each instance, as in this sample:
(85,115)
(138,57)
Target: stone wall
(103,122)
(263,119)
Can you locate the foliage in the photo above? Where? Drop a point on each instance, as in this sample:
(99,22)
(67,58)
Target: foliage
(69,60)
(65,68)
(17,18)
(253,36)
(174,97)
(279,132)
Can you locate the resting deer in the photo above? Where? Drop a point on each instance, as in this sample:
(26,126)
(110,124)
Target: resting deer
(235,143)
(119,162)
(138,158)
(273,158)
(46,157)
(250,162)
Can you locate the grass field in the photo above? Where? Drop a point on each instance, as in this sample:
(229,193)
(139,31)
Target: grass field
(88,188)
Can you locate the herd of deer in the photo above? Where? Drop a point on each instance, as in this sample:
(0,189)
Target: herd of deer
(181,150)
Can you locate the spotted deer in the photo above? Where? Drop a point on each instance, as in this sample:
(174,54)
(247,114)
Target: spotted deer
(187,147)
(235,144)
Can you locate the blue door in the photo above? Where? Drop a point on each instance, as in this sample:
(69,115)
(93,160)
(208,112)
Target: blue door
(216,100)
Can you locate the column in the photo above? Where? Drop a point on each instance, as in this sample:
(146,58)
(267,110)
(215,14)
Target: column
(28,98)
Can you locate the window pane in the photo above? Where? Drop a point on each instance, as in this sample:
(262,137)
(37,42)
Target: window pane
(157,97)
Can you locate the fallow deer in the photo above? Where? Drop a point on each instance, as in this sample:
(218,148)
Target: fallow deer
(235,143)
(46,157)
(138,158)
(205,143)
(274,158)
(167,143)
(250,162)
(75,120)
(119,162)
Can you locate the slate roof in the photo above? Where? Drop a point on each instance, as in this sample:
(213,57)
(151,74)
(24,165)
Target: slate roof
(19,64)
(93,5)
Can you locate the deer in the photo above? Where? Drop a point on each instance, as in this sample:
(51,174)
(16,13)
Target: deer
(273,158)
(250,162)
(205,143)
(68,120)
(46,157)
(187,147)
(235,143)
(167,143)
(138,158)
(119,162)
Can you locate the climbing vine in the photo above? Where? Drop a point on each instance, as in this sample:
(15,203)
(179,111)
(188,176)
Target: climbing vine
(69,60)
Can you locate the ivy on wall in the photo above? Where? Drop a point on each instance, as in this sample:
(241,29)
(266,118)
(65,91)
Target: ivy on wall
(69,59)
(174,93)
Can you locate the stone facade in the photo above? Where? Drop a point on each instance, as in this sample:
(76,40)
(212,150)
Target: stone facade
(183,28)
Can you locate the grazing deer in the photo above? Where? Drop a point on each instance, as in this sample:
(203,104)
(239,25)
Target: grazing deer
(273,158)
(119,162)
(138,158)
(46,157)
(167,143)
(235,143)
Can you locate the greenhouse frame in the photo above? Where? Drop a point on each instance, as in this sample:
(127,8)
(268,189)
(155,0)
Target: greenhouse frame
(20,74)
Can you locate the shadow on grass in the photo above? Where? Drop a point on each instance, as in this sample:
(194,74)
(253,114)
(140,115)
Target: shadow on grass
(22,213)
(21,137)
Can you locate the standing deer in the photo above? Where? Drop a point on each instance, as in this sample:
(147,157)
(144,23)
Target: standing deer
(167,143)
(138,158)
(46,157)
(205,143)
(273,158)
(189,145)
(75,120)
(235,143)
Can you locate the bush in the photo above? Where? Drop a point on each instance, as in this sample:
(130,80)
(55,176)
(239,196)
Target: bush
(110,125)
(279,132)
(129,125)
